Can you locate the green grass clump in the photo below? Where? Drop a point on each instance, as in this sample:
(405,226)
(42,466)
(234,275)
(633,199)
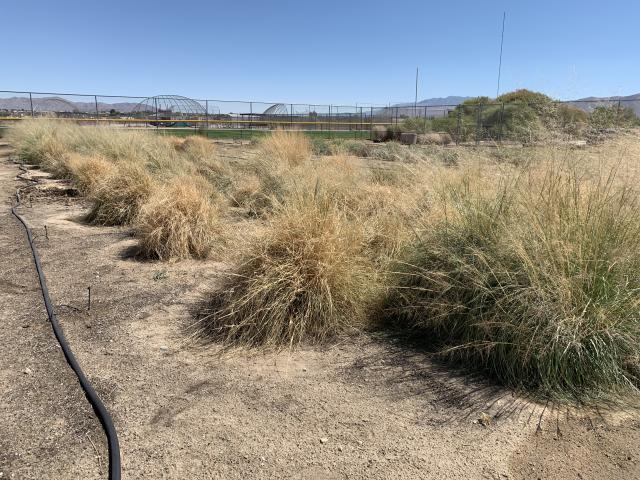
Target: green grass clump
(320,146)
(536,281)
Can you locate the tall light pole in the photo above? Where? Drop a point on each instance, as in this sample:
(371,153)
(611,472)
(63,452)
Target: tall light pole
(504,16)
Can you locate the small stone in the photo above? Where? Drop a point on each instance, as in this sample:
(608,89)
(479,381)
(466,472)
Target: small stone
(27,371)
(262,459)
(485,420)
(340,448)
(304,369)
(164,348)
(324,440)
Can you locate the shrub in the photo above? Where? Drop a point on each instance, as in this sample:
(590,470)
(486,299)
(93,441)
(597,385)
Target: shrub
(611,116)
(292,148)
(536,282)
(119,196)
(517,121)
(416,125)
(571,120)
(379,133)
(303,281)
(179,220)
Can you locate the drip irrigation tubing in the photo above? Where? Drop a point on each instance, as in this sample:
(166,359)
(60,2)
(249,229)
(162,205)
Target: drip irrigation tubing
(92,396)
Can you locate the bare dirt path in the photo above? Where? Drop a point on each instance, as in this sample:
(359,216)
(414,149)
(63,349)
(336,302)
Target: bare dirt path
(47,428)
(359,409)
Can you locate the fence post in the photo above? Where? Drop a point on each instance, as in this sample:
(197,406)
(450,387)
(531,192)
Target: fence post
(458,126)
(501,123)
(95,99)
(618,114)
(31,103)
(478,114)
(329,125)
(155,102)
(371,125)
(206,116)
(291,116)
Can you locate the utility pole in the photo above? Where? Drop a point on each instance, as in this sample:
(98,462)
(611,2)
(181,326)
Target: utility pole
(504,16)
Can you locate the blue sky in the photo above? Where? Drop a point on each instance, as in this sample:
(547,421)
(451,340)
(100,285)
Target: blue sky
(323,51)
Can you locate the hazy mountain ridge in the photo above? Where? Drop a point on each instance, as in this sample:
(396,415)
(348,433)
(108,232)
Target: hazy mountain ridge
(60,104)
(589,103)
(437,106)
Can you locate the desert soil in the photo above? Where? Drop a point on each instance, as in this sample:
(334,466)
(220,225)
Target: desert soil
(361,408)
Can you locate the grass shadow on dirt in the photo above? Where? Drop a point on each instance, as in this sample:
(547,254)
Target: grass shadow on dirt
(407,367)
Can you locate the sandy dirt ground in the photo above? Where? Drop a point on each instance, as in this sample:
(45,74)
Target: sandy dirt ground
(361,408)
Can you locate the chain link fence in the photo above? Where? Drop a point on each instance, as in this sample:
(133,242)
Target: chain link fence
(470,122)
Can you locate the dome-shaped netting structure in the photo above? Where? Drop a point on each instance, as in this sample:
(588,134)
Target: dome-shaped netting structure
(54,104)
(172,107)
(277,109)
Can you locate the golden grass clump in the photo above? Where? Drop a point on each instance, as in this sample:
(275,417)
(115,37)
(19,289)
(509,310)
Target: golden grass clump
(292,148)
(196,147)
(179,220)
(117,198)
(42,143)
(304,280)
(88,171)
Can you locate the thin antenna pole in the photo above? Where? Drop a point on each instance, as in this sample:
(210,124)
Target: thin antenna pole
(504,16)
(415,101)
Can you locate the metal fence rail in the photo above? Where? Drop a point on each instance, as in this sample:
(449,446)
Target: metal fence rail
(469,122)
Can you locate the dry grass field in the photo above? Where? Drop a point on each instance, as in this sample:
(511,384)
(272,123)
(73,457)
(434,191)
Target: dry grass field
(311,309)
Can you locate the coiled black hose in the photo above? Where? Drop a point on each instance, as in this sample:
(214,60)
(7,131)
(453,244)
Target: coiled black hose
(92,396)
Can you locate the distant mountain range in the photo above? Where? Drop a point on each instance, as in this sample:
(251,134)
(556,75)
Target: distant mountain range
(438,106)
(434,107)
(589,103)
(59,104)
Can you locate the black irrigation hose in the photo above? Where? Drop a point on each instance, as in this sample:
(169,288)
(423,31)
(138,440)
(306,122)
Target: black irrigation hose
(92,396)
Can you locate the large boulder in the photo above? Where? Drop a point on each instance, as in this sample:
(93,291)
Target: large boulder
(408,138)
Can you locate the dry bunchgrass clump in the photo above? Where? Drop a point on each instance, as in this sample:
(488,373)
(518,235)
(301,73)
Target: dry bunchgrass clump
(304,280)
(196,147)
(292,148)
(37,141)
(532,278)
(117,198)
(179,220)
(88,171)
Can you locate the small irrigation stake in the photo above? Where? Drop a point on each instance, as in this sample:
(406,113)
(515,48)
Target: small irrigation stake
(46,233)
(89,298)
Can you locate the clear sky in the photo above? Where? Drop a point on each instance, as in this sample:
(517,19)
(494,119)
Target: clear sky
(320,51)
